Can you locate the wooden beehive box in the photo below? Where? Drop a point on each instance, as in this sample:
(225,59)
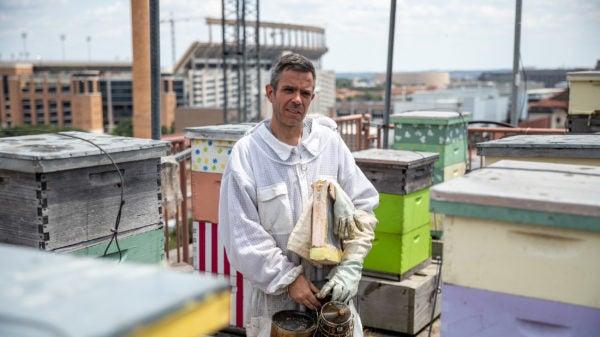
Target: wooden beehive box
(400,306)
(59,191)
(581,149)
(211,146)
(397,171)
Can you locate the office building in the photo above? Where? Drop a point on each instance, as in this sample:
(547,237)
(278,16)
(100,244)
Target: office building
(92,96)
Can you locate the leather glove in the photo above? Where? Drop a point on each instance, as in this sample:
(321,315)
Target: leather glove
(343,281)
(344,213)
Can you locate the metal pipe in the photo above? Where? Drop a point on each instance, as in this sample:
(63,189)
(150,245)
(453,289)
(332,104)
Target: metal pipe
(224,46)
(388,84)
(257,42)
(155,69)
(514,112)
(244,57)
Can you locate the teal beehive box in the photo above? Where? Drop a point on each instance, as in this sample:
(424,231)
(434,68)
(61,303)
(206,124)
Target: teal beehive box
(430,127)
(443,132)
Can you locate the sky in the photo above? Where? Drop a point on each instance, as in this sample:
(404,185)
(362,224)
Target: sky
(430,35)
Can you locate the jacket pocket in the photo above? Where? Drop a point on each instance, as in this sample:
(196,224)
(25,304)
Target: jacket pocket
(274,209)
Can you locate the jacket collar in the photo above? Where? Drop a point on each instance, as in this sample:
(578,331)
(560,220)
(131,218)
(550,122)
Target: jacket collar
(309,141)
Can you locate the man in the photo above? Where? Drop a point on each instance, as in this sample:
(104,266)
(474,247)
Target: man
(265,184)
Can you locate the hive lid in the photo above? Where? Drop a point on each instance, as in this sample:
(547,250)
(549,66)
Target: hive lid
(563,146)
(69,150)
(218,132)
(527,192)
(395,157)
(430,117)
(64,295)
(583,76)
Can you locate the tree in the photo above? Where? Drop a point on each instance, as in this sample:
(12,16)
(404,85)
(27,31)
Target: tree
(22,130)
(124,128)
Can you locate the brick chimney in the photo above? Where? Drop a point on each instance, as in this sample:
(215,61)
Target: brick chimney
(140,70)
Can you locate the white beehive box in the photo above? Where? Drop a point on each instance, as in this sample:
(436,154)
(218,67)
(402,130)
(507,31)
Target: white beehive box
(58,191)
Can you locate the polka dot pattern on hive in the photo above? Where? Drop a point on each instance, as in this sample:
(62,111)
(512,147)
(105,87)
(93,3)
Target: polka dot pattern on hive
(210,155)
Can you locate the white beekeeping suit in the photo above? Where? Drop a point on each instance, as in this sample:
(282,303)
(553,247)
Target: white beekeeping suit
(264,186)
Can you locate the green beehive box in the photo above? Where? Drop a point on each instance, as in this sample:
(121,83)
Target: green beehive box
(430,127)
(147,247)
(394,256)
(450,154)
(402,213)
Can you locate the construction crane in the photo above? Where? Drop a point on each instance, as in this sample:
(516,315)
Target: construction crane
(171,20)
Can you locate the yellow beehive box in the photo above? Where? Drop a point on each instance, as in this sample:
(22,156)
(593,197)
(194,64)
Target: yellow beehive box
(524,228)
(584,94)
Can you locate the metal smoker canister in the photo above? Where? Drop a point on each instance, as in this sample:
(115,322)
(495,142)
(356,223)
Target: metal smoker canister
(335,320)
(291,323)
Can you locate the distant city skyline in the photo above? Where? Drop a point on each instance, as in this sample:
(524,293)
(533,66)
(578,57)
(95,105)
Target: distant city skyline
(430,34)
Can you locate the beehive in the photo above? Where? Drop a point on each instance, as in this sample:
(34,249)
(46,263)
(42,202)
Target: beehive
(62,192)
(402,240)
(581,149)
(521,236)
(211,147)
(62,295)
(397,171)
(443,132)
(584,94)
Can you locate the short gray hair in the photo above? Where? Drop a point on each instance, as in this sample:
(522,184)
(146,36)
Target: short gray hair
(292,61)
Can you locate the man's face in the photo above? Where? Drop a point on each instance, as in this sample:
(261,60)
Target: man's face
(292,98)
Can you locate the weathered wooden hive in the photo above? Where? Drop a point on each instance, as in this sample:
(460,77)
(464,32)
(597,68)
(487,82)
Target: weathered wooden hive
(60,192)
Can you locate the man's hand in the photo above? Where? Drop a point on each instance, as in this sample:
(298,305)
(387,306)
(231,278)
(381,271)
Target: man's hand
(303,291)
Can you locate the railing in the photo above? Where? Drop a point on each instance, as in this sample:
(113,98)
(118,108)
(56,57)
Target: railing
(355,130)
(181,153)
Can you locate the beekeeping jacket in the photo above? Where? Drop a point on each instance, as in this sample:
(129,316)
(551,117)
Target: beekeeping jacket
(264,186)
